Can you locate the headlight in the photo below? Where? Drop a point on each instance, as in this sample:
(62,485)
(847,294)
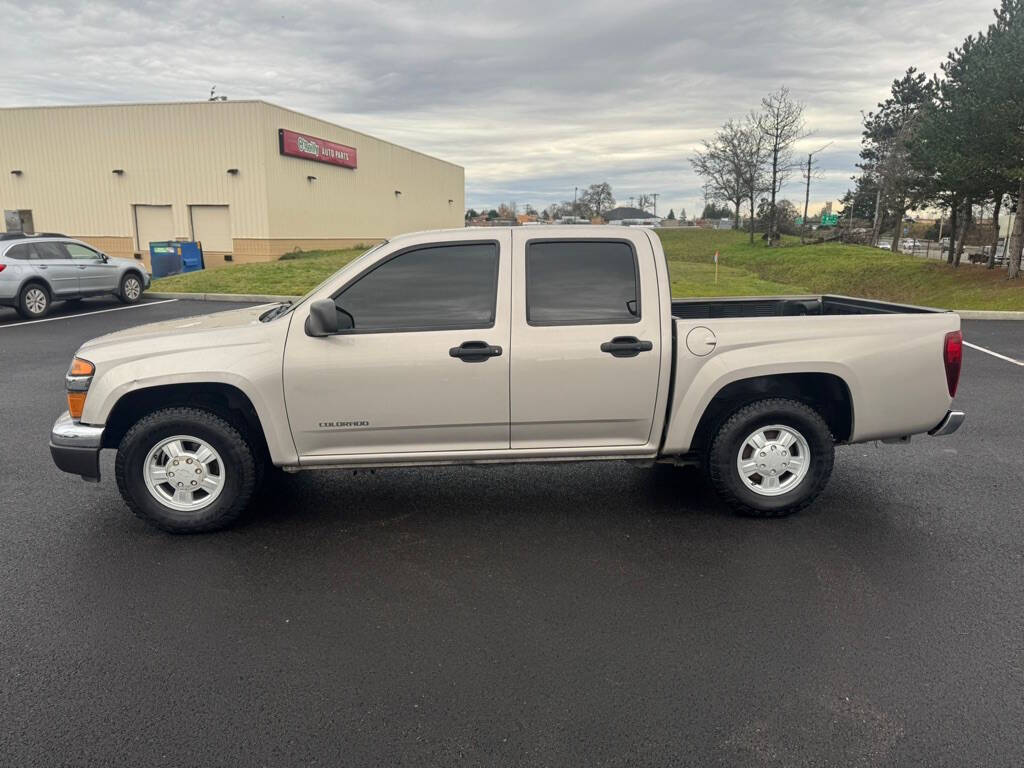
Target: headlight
(78,379)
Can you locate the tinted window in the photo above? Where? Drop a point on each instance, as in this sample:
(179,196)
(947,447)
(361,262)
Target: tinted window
(453,286)
(21,252)
(49,251)
(571,283)
(81,252)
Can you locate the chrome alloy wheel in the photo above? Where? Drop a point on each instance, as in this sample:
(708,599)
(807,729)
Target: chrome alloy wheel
(35,300)
(773,460)
(184,473)
(132,288)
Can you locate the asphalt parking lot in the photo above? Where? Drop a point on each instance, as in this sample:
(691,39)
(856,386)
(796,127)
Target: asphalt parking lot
(590,614)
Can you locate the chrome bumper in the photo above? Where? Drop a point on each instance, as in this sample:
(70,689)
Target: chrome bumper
(949,424)
(75,447)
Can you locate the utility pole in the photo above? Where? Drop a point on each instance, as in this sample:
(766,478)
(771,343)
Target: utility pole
(655,196)
(807,193)
(574,211)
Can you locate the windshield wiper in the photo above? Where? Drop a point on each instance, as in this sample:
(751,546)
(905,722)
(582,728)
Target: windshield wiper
(277,311)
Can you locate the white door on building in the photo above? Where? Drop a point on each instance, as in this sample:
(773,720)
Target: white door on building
(153,223)
(211,226)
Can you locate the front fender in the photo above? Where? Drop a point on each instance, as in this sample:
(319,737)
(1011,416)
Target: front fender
(252,364)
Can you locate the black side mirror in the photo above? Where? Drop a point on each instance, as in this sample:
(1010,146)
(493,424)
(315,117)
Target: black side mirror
(323,318)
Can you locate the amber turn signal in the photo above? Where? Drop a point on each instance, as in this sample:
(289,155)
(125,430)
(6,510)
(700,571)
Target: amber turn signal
(80,367)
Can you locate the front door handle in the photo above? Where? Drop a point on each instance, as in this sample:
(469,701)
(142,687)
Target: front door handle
(626,346)
(474,351)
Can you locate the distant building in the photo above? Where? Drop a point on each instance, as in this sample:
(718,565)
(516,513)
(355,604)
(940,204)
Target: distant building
(631,217)
(250,180)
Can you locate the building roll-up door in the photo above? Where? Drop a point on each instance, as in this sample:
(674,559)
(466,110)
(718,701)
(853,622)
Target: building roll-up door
(211,226)
(153,223)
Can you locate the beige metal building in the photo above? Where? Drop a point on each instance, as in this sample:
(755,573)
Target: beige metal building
(248,179)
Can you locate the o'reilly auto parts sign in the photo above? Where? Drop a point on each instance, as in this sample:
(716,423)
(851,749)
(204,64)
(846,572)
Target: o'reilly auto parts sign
(319,150)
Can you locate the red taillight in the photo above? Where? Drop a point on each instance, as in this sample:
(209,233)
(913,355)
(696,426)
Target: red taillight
(3,267)
(952,357)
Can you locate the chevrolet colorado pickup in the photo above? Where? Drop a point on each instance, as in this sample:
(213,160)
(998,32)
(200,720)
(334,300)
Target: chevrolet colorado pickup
(504,345)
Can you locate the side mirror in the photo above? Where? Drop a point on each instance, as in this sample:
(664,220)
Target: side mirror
(104,258)
(323,318)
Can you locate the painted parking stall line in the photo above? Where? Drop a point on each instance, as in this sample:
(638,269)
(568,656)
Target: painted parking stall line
(85,314)
(994,354)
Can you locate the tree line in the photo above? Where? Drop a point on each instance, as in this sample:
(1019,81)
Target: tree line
(590,203)
(954,141)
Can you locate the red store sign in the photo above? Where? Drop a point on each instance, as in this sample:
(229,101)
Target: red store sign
(311,148)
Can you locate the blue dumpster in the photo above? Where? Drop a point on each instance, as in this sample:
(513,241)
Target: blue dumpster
(172,257)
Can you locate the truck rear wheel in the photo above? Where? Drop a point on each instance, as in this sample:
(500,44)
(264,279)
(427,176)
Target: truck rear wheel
(186,470)
(771,458)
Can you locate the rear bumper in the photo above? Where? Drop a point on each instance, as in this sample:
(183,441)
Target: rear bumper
(950,423)
(75,447)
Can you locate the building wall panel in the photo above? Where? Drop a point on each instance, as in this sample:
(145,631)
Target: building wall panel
(357,203)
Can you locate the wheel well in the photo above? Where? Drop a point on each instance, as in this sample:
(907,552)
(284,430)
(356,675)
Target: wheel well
(227,401)
(825,392)
(36,281)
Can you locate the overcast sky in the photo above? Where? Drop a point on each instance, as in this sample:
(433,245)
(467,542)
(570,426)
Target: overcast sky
(532,98)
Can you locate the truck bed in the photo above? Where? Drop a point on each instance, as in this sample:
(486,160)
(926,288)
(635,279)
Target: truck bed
(787,306)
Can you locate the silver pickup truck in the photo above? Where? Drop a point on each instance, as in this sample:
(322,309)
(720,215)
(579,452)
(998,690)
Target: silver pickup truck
(504,345)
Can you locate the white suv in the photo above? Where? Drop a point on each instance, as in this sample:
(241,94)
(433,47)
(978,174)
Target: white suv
(36,270)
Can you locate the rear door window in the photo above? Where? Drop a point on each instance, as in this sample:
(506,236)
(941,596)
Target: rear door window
(581,283)
(50,251)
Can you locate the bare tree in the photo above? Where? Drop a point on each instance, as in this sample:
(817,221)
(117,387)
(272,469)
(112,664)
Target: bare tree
(644,202)
(781,124)
(721,161)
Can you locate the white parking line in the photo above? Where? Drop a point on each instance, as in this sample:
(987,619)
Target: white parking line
(994,354)
(86,314)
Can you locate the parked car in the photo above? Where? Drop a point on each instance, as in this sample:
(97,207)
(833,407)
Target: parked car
(476,346)
(37,270)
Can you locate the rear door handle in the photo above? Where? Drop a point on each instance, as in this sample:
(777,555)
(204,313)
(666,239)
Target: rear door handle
(474,351)
(626,346)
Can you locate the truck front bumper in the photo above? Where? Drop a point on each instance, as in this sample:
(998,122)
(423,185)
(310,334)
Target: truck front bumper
(75,447)
(949,424)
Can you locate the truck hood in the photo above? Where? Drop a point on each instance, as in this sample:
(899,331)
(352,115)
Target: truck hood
(197,332)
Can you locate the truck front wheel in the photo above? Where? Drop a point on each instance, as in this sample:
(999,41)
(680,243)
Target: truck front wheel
(771,458)
(186,470)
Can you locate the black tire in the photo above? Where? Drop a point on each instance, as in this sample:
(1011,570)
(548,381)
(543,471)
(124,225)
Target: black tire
(130,290)
(241,469)
(729,440)
(28,301)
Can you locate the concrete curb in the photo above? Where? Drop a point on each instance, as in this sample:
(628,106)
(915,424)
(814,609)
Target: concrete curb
(988,314)
(256,298)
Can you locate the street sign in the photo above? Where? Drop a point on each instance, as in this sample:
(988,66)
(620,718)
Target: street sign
(829,219)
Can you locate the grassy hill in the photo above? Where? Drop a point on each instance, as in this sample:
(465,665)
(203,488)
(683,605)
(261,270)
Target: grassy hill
(853,270)
(744,270)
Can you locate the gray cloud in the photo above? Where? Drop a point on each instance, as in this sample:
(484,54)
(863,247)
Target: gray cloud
(531,97)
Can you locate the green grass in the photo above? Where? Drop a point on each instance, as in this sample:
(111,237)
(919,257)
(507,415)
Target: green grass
(744,270)
(291,276)
(829,268)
